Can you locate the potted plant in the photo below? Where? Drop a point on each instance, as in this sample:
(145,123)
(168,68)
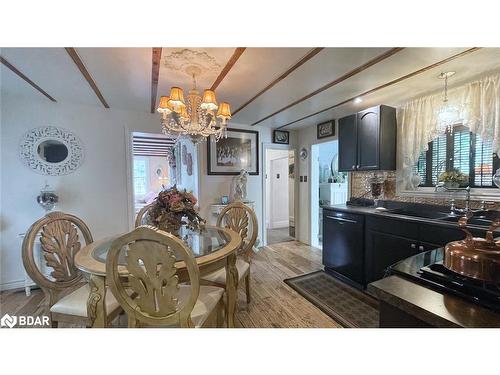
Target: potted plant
(453,179)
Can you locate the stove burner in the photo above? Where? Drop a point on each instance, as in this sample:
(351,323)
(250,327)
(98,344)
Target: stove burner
(427,269)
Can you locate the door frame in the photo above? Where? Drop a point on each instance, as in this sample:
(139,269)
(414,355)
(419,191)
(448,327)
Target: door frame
(310,181)
(265,148)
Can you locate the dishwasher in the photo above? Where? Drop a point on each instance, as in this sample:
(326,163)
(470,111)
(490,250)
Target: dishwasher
(343,246)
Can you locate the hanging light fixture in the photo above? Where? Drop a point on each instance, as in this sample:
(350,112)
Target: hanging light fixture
(448,115)
(198,117)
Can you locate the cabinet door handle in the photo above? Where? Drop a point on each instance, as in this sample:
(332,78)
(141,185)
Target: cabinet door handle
(357,166)
(421,248)
(341,220)
(353,167)
(413,246)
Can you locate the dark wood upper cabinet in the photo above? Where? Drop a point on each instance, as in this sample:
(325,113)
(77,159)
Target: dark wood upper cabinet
(348,154)
(367,140)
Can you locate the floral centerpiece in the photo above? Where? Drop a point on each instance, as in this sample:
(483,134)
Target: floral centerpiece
(453,178)
(174,208)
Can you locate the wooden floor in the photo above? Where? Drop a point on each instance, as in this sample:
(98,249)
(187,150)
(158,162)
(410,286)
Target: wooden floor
(274,304)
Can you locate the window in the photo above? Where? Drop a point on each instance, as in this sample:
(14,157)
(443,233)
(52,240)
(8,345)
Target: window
(460,150)
(140,176)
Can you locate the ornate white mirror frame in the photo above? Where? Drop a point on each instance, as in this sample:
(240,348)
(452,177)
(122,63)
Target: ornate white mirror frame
(28,151)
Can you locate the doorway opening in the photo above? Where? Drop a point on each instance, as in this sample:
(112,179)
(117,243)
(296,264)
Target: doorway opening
(328,186)
(279,189)
(153,168)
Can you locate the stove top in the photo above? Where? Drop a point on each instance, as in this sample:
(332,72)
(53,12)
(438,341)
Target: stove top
(427,268)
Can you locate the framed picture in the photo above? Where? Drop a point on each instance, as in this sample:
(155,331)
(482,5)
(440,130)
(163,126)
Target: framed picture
(224,199)
(228,156)
(326,129)
(281,136)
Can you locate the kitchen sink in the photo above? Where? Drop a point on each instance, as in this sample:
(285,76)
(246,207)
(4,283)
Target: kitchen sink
(423,214)
(481,218)
(473,220)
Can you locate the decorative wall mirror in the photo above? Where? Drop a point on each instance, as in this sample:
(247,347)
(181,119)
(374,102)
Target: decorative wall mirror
(51,151)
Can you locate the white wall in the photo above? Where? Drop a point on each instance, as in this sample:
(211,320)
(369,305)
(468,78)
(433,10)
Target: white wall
(306,137)
(97,192)
(213,187)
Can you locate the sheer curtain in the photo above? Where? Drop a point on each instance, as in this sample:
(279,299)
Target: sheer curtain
(479,104)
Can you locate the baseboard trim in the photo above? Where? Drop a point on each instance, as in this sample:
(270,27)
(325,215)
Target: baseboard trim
(279,224)
(12,285)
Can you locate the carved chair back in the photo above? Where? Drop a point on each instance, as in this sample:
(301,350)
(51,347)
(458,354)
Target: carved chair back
(142,216)
(241,219)
(59,244)
(150,292)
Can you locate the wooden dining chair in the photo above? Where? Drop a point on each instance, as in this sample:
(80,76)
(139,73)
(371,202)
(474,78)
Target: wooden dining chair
(150,292)
(142,216)
(65,296)
(241,219)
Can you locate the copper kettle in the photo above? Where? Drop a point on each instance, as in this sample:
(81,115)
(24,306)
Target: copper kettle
(478,258)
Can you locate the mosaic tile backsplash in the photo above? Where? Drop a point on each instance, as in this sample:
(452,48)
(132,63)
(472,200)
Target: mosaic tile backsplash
(361,185)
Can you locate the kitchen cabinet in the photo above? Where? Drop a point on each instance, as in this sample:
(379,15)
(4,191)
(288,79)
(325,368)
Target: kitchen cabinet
(348,147)
(383,249)
(367,140)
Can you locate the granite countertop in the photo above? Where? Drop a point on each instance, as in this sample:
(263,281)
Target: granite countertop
(370,210)
(438,309)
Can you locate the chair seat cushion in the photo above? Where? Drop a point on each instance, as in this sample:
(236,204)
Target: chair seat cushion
(75,303)
(207,301)
(219,276)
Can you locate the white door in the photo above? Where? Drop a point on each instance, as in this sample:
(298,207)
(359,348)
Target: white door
(279,193)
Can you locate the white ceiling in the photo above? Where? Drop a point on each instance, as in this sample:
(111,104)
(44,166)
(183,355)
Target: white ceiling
(123,76)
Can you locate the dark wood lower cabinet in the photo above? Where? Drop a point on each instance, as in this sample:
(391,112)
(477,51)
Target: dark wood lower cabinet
(383,250)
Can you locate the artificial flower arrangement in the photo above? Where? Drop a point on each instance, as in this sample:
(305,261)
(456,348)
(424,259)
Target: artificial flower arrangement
(174,208)
(453,178)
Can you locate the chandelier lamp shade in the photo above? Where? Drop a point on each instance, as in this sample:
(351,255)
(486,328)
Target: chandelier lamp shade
(196,118)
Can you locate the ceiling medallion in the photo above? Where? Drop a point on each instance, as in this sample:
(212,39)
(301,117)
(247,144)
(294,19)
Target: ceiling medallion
(182,59)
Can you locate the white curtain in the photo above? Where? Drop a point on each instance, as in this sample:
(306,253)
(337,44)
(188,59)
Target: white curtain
(479,104)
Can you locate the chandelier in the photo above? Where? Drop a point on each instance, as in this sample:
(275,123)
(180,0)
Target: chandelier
(197,118)
(448,115)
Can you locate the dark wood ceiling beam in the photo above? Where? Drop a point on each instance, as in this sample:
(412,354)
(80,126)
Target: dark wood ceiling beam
(81,66)
(155,74)
(236,55)
(25,78)
(342,78)
(302,61)
(393,82)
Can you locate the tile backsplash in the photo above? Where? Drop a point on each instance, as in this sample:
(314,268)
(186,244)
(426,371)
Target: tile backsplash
(361,187)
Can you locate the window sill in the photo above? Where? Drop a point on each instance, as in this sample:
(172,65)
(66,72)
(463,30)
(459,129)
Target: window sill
(476,194)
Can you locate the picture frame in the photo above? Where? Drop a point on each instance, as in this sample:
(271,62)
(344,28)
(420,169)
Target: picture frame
(326,129)
(228,156)
(281,137)
(224,199)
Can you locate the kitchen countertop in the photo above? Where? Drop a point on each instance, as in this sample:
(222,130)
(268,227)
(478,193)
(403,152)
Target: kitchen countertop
(370,210)
(438,309)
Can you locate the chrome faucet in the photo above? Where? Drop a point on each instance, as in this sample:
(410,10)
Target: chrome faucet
(466,210)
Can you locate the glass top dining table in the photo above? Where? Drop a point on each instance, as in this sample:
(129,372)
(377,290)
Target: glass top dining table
(213,248)
(202,242)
